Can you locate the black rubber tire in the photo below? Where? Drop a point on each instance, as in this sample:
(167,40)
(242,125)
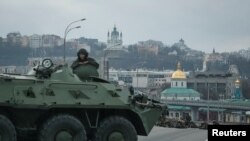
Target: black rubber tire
(59,123)
(115,123)
(7,129)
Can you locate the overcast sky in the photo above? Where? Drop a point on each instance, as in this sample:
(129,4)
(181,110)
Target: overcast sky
(203,24)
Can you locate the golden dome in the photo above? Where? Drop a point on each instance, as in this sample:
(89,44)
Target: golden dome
(237,81)
(179,74)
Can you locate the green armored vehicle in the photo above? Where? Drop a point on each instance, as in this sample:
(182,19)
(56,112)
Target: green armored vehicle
(55,105)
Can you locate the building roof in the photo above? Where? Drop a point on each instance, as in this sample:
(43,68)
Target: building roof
(212,73)
(179,74)
(239,101)
(184,108)
(184,92)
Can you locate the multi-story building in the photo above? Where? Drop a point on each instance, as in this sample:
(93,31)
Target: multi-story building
(14,38)
(14,69)
(145,50)
(24,41)
(48,41)
(8,69)
(149,47)
(244,53)
(35,41)
(141,78)
(212,84)
(83,40)
(51,41)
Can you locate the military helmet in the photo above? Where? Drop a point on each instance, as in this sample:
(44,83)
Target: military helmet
(82,51)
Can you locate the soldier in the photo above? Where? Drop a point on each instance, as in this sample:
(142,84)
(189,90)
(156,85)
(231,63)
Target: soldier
(83,59)
(84,66)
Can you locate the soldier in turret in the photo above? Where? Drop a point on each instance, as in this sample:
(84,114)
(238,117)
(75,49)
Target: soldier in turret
(84,59)
(85,66)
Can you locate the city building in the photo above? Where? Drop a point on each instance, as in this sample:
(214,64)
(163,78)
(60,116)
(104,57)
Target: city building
(141,78)
(212,85)
(14,69)
(149,47)
(214,56)
(244,53)
(47,41)
(177,112)
(147,50)
(215,84)
(235,117)
(35,41)
(115,50)
(181,44)
(24,41)
(51,41)
(179,90)
(7,69)
(14,38)
(83,40)
(114,39)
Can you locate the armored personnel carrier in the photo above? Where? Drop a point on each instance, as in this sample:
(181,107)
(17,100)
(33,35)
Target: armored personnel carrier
(53,104)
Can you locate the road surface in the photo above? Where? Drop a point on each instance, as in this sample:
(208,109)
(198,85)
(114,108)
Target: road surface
(174,134)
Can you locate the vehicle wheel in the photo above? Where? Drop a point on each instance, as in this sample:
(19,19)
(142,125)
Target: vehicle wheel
(62,128)
(7,129)
(116,129)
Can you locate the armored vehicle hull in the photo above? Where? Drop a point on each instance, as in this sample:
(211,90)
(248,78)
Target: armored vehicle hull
(54,104)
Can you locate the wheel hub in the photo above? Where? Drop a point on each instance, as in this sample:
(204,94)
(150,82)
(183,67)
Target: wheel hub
(116,136)
(63,136)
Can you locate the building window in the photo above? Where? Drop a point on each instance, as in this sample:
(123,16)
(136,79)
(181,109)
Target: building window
(177,115)
(176,83)
(182,84)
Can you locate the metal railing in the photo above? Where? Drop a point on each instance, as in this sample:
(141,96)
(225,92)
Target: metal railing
(214,104)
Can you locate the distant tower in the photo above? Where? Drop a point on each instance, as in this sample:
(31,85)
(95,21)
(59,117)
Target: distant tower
(181,41)
(114,39)
(237,93)
(213,51)
(108,36)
